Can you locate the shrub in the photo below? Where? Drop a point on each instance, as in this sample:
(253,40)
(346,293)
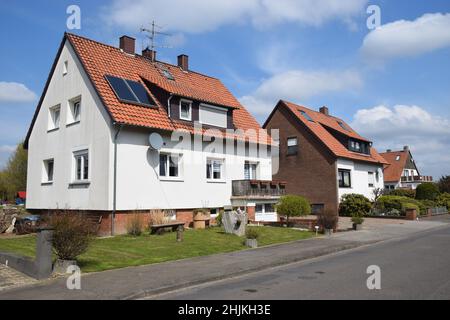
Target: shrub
(71,236)
(293,206)
(444,184)
(135,224)
(427,191)
(389,204)
(327,219)
(219,218)
(403,193)
(354,204)
(157,217)
(357,219)
(428,204)
(252,233)
(443,200)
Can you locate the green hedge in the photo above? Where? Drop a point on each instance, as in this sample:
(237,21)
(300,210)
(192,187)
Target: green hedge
(443,200)
(386,204)
(402,193)
(354,205)
(427,191)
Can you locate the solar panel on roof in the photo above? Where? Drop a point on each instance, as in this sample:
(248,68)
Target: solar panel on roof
(306,115)
(130,91)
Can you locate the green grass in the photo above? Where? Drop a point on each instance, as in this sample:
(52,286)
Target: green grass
(124,251)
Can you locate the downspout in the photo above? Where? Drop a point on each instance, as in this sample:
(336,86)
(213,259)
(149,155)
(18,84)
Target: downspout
(168,104)
(113,217)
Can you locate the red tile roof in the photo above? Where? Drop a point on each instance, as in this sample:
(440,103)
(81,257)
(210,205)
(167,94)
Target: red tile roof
(319,129)
(100,59)
(393,171)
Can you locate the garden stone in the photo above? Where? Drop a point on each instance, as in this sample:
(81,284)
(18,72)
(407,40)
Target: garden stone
(11,227)
(235,222)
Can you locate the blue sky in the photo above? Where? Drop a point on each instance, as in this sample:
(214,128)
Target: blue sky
(391,84)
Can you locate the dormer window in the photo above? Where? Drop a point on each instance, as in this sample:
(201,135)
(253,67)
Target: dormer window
(358,146)
(186,110)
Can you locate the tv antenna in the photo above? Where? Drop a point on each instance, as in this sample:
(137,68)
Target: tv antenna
(152,33)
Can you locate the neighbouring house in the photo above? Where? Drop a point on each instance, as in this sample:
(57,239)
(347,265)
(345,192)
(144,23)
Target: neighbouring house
(401,170)
(321,157)
(117,132)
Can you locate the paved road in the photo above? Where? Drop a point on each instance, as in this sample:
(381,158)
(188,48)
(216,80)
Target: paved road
(417,267)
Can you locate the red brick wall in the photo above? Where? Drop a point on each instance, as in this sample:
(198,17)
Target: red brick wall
(251,211)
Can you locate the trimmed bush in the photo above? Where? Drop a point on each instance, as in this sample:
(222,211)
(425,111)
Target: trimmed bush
(71,236)
(356,219)
(403,193)
(252,233)
(327,219)
(293,206)
(443,200)
(389,204)
(427,191)
(354,204)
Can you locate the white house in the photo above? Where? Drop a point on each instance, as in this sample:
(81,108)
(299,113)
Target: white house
(90,150)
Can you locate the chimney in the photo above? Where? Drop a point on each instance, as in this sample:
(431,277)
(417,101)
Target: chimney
(149,54)
(183,62)
(324,110)
(406,148)
(389,150)
(127,44)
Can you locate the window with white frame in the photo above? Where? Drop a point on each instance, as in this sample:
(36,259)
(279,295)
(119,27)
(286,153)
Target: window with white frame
(185,110)
(212,115)
(169,165)
(292,146)
(74,110)
(54,117)
(371,179)
(49,166)
(214,169)
(250,169)
(65,67)
(81,159)
(265,208)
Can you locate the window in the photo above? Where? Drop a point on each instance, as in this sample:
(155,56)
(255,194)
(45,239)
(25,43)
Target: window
(250,170)
(214,116)
(65,67)
(397,158)
(344,178)
(292,146)
(317,208)
(306,116)
(265,208)
(371,179)
(214,169)
(130,91)
(81,165)
(169,165)
(186,110)
(360,147)
(343,126)
(406,173)
(48,170)
(74,114)
(55,115)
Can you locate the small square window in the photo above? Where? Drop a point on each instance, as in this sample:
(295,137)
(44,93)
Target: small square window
(186,110)
(49,166)
(214,169)
(371,179)
(344,177)
(55,117)
(65,67)
(74,114)
(169,165)
(292,146)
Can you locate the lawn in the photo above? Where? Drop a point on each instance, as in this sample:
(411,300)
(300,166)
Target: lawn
(124,251)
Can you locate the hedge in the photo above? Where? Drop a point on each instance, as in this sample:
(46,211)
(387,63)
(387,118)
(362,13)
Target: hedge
(386,204)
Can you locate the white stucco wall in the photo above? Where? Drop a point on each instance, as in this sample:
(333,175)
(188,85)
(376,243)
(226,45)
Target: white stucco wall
(140,187)
(360,177)
(92,132)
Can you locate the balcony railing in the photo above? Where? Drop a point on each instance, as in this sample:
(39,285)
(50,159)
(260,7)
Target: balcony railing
(417,179)
(258,188)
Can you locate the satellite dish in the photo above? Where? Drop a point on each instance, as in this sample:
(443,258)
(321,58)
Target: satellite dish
(155,140)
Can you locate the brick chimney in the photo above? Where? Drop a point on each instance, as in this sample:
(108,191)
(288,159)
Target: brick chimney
(389,150)
(406,148)
(127,44)
(183,62)
(324,110)
(149,54)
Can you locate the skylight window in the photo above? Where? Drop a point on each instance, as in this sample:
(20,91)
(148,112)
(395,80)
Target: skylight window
(343,126)
(306,116)
(130,91)
(397,158)
(165,72)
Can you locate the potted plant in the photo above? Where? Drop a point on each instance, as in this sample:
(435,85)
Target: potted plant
(251,237)
(327,221)
(357,222)
(200,217)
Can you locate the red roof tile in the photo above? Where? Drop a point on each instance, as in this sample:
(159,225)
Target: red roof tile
(393,171)
(319,128)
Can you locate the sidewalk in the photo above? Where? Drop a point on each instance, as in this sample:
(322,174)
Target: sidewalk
(138,282)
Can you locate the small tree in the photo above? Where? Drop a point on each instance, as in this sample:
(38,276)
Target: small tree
(71,236)
(15,173)
(427,191)
(444,184)
(354,204)
(293,206)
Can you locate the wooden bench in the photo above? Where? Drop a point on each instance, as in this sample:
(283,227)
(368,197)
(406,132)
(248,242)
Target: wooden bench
(175,226)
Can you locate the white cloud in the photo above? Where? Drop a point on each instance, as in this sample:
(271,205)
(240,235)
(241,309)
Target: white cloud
(407,38)
(196,16)
(5,153)
(15,92)
(427,135)
(298,85)
(7,148)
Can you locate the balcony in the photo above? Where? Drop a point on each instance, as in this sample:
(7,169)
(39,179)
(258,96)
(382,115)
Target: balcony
(258,188)
(417,179)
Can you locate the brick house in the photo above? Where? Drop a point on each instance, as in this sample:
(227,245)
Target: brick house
(321,157)
(401,170)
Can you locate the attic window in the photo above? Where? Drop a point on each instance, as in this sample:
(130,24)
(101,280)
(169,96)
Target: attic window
(343,126)
(398,158)
(165,72)
(130,91)
(306,116)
